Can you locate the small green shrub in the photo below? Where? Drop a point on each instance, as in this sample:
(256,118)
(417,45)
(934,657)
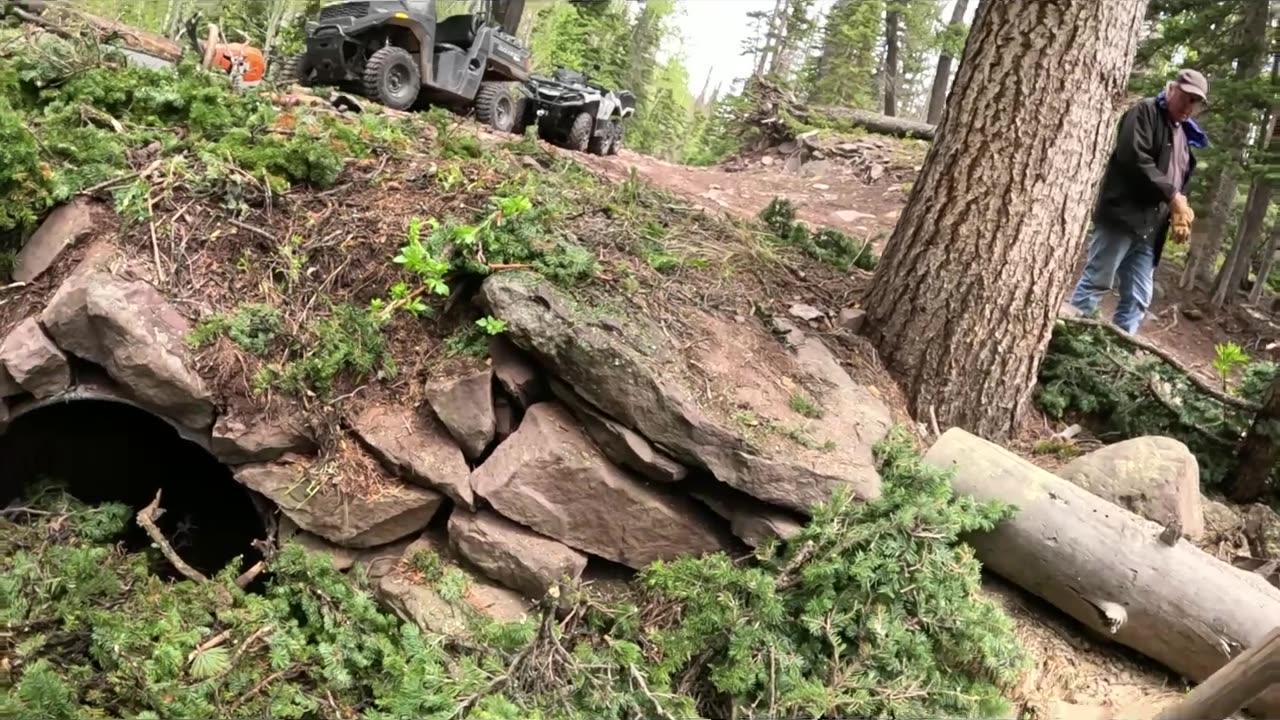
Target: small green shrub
(254,327)
(827,246)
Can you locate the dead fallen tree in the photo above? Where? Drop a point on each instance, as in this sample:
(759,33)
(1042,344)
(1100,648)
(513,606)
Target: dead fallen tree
(780,116)
(1108,568)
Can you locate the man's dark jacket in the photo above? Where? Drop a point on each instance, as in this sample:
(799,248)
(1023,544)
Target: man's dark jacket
(1136,188)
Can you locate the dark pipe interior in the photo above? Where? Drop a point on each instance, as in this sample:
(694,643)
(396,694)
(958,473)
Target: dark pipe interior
(105,451)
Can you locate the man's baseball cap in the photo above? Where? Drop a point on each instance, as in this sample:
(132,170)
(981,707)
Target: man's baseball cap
(1193,83)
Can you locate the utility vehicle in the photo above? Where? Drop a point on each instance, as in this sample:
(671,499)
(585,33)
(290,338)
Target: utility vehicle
(576,113)
(399,51)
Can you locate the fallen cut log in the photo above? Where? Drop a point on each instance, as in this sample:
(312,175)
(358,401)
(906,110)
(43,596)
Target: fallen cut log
(1108,569)
(875,122)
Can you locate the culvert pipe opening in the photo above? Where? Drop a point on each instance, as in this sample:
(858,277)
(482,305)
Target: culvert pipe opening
(102,451)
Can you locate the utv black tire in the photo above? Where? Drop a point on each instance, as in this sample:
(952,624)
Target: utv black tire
(580,132)
(496,106)
(391,77)
(615,142)
(600,145)
(294,70)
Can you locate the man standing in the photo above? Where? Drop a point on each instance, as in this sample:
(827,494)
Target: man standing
(1142,198)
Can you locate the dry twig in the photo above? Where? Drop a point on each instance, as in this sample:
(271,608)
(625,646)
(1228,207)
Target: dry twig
(146,518)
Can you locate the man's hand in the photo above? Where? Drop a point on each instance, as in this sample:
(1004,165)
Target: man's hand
(1180,218)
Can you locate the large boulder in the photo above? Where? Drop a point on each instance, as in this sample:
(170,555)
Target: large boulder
(729,407)
(620,444)
(315,503)
(64,227)
(550,477)
(129,330)
(512,554)
(1155,477)
(33,361)
(237,441)
(465,406)
(415,445)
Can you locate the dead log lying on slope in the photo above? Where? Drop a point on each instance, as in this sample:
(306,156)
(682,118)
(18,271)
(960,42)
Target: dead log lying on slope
(1108,568)
(773,110)
(875,122)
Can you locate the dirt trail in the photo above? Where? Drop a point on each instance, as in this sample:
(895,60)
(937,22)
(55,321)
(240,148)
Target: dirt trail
(824,196)
(828,193)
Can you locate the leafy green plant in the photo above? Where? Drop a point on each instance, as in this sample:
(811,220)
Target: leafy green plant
(1228,357)
(827,246)
(492,325)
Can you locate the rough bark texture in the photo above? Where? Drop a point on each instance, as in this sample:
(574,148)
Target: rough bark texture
(942,78)
(970,285)
(1107,568)
(1260,453)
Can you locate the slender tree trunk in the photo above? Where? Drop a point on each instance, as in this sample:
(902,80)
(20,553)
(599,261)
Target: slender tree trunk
(1207,243)
(1252,41)
(275,18)
(1265,264)
(891,63)
(942,77)
(1260,452)
(1236,269)
(972,280)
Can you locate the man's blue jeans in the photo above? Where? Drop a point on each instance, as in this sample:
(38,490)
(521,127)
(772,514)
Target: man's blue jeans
(1133,259)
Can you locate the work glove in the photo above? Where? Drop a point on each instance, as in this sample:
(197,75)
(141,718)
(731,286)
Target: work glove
(1180,218)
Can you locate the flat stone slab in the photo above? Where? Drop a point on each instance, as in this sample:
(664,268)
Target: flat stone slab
(317,506)
(129,329)
(730,407)
(413,444)
(63,228)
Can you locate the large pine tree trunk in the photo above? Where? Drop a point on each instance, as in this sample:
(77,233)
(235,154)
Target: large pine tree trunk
(971,282)
(942,77)
(891,62)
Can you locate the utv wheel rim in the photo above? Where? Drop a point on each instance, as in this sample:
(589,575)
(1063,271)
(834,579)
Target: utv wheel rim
(397,80)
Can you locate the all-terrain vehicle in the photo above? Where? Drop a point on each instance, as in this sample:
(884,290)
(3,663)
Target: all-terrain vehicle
(576,113)
(395,51)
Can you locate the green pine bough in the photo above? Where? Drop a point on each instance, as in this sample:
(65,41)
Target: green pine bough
(874,610)
(1125,393)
